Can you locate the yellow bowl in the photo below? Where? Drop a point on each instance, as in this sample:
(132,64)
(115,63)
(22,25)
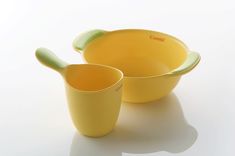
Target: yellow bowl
(152,62)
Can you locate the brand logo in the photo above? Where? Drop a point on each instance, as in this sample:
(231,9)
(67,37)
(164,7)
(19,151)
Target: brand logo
(152,37)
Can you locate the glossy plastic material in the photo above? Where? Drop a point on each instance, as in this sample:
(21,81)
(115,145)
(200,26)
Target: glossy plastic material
(93,93)
(152,62)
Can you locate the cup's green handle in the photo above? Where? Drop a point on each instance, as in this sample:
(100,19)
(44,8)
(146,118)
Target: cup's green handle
(81,41)
(191,61)
(49,59)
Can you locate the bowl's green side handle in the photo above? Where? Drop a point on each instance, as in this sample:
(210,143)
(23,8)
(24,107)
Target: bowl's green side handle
(81,41)
(191,62)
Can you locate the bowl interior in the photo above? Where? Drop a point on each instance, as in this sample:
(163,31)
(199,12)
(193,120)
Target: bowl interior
(138,53)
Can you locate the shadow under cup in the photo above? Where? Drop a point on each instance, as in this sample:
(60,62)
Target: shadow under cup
(94,97)
(151,128)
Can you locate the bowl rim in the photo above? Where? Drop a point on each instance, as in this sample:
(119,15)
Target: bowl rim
(107,32)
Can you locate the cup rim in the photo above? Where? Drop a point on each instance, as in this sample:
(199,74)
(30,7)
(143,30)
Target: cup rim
(99,90)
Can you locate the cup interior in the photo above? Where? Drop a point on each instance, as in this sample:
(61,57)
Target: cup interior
(138,53)
(91,77)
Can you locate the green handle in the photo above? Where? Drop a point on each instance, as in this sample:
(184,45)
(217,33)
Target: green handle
(81,41)
(191,61)
(49,59)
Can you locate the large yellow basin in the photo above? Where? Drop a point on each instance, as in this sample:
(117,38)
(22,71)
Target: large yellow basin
(152,62)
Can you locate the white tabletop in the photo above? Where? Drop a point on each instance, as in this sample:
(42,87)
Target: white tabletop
(196,119)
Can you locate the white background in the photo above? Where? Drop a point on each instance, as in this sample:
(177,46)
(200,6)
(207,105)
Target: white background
(196,119)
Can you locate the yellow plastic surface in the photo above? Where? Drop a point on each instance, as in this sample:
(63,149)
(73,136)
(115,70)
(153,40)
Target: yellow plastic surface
(152,62)
(93,92)
(94,98)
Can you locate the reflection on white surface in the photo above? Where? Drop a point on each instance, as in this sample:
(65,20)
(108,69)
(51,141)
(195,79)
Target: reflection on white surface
(147,128)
